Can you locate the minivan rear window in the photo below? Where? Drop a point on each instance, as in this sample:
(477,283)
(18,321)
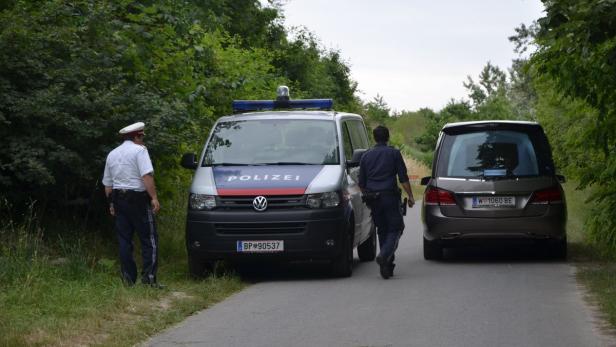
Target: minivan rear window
(493,153)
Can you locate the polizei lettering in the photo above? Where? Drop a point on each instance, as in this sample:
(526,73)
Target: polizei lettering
(263,178)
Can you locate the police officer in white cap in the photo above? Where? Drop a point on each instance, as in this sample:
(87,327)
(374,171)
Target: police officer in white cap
(130,190)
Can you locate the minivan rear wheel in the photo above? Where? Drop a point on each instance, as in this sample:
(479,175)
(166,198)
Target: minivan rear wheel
(367,250)
(432,250)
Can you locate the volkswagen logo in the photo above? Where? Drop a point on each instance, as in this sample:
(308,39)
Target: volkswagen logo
(259,203)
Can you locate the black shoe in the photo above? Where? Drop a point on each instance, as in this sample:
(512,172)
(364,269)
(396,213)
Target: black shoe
(155,285)
(385,270)
(158,286)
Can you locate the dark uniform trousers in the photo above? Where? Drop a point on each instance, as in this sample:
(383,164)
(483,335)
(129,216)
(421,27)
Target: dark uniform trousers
(389,223)
(134,213)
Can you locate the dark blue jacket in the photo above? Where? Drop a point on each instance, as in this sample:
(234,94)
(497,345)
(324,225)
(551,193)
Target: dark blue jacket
(378,169)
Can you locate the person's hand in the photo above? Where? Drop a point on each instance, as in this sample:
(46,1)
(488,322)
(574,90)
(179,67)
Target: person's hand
(411,202)
(111,210)
(155,205)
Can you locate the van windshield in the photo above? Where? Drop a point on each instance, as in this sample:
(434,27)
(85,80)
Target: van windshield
(503,153)
(273,142)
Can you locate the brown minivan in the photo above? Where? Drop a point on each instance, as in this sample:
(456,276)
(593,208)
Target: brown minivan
(493,180)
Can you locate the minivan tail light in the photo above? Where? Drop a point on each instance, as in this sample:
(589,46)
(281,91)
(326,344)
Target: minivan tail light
(435,196)
(551,195)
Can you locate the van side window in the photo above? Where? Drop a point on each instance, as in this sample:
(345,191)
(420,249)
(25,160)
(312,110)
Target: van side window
(346,138)
(359,138)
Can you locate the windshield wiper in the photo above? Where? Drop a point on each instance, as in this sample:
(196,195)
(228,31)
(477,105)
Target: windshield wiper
(286,163)
(230,164)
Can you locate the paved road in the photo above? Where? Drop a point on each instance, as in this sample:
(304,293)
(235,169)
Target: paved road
(507,297)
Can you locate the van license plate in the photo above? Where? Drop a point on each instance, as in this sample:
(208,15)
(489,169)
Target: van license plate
(260,246)
(493,201)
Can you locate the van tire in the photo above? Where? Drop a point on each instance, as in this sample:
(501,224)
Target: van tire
(199,268)
(432,250)
(342,265)
(367,250)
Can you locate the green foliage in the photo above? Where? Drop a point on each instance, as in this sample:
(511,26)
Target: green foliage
(377,111)
(73,73)
(575,69)
(409,126)
(454,111)
(492,82)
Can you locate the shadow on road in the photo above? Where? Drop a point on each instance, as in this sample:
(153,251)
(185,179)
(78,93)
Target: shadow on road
(269,271)
(499,253)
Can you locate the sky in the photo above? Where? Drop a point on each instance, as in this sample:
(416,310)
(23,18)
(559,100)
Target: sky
(415,53)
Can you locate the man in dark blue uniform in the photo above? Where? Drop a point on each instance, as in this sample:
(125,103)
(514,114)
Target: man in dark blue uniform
(377,178)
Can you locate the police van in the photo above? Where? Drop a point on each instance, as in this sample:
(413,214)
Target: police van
(278,180)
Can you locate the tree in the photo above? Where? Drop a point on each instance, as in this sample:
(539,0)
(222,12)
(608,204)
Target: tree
(73,73)
(377,111)
(454,111)
(576,56)
(491,84)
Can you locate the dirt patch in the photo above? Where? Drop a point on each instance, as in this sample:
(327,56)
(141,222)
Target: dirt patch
(165,302)
(131,315)
(82,339)
(36,337)
(416,170)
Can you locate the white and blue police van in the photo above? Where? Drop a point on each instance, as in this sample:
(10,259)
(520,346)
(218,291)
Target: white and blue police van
(278,180)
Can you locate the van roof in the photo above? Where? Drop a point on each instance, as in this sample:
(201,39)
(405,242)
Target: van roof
(294,114)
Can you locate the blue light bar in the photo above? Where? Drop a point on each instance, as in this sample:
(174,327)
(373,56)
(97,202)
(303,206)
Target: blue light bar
(252,105)
(260,105)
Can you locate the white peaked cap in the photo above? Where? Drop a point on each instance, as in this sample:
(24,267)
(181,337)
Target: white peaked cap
(132,128)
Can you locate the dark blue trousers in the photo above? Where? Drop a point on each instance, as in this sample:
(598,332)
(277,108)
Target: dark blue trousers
(388,220)
(135,214)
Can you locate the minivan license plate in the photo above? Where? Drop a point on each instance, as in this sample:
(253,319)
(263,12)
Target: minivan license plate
(260,246)
(493,201)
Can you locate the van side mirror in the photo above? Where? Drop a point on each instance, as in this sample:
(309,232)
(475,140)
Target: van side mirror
(561,178)
(425,180)
(189,161)
(357,154)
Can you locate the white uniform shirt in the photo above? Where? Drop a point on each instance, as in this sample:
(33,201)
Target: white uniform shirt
(126,165)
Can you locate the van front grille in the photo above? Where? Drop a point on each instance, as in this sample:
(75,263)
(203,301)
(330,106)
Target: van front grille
(260,228)
(273,202)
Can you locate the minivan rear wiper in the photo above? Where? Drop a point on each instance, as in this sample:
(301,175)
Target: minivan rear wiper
(496,177)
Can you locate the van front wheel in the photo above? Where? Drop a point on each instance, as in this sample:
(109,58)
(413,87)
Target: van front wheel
(342,265)
(367,250)
(198,267)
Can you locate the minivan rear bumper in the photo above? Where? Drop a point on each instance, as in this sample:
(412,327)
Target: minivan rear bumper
(551,225)
(307,234)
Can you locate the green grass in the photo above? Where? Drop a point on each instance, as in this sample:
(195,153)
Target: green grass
(66,290)
(596,268)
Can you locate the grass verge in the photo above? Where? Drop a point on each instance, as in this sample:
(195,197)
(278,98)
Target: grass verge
(65,291)
(596,268)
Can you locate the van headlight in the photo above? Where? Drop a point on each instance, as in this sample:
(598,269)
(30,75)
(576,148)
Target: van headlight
(323,200)
(202,202)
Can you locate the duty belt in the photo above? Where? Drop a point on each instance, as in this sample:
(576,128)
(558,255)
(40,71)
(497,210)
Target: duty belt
(129,194)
